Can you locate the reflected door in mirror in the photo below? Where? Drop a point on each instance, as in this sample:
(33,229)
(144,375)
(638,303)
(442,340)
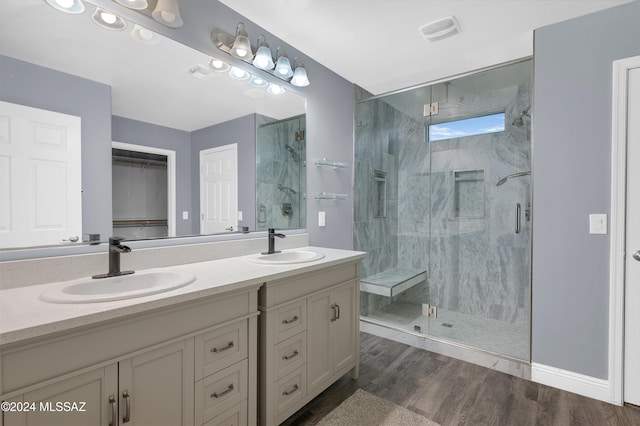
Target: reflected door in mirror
(219,189)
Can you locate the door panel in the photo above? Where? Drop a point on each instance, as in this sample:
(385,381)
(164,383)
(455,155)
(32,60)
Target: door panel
(319,343)
(219,189)
(343,332)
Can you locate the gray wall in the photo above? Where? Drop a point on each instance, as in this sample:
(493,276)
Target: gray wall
(571,168)
(243,132)
(329,112)
(31,85)
(141,133)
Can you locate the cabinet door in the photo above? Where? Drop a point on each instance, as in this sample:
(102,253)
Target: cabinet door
(80,400)
(319,341)
(156,387)
(344,328)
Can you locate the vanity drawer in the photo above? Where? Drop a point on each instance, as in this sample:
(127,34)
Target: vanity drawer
(291,320)
(290,355)
(234,416)
(220,348)
(289,391)
(221,391)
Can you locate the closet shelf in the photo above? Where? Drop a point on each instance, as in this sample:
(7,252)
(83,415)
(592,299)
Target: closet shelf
(323,162)
(330,196)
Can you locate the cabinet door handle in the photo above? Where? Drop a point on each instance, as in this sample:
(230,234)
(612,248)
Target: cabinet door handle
(127,406)
(293,355)
(338,311)
(293,390)
(216,350)
(289,321)
(218,395)
(114,411)
(334,313)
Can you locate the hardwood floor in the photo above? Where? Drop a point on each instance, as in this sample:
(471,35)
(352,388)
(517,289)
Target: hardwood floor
(453,392)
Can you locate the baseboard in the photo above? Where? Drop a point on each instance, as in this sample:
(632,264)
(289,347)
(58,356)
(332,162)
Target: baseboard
(572,382)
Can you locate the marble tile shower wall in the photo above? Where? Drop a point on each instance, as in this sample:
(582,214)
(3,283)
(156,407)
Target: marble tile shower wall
(280,175)
(476,265)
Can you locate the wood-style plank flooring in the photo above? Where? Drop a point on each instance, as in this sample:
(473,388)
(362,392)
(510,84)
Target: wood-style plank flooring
(453,392)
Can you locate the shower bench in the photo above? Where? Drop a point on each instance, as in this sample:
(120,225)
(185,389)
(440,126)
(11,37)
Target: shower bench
(392,282)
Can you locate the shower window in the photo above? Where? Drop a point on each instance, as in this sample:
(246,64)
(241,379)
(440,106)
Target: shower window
(468,127)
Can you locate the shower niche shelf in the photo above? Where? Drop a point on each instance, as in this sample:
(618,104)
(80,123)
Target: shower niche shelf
(323,162)
(330,196)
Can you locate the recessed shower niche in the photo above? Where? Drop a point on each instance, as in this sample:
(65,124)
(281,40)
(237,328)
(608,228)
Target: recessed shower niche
(468,194)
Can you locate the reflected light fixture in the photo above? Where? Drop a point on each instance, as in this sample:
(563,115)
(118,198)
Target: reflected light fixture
(168,13)
(263,59)
(218,64)
(275,89)
(68,6)
(283,66)
(300,78)
(144,35)
(108,20)
(256,81)
(134,4)
(241,47)
(238,74)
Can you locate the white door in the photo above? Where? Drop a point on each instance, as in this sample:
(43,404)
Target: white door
(219,189)
(40,176)
(632,260)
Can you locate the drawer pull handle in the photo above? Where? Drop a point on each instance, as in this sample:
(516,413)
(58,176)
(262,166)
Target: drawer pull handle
(127,404)
(114,411)
(293,355)
(218,395)
(216,350)
(289,321)
(294,389)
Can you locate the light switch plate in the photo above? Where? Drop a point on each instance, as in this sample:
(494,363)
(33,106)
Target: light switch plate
(321,219)
(185,215)
(598,224)
(240,215)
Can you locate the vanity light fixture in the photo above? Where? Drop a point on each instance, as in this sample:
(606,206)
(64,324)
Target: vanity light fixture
(218,65)
(144,35)
(134,4)
(263,58)
(300,78)
(275,89)
(241,47)
(108,20)
(68,6)
(283,65)
(168,13)
(238,74)
(256,81)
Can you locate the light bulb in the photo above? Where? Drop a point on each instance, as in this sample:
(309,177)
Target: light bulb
(241,52)
(65,3)
(145,34)
(107,17)
(168,16)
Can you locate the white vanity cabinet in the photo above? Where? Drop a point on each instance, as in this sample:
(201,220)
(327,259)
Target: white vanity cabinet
(308,337)
(191,363)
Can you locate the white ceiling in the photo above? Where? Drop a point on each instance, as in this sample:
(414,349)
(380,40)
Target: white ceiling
(376,43)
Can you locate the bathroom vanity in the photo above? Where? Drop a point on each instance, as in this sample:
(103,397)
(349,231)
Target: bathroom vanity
(186,356)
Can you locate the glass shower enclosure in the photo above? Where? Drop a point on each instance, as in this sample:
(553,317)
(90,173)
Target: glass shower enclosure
(443,202)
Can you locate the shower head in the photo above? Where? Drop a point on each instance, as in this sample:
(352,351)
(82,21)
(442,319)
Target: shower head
(293,152)
(519,122)
(506,178)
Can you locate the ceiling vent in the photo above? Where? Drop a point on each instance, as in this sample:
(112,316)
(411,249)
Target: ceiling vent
(201,72)
(440,29)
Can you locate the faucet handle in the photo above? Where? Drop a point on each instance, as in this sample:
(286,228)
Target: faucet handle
(114,241)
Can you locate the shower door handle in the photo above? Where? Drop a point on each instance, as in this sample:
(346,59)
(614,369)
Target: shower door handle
(518,217)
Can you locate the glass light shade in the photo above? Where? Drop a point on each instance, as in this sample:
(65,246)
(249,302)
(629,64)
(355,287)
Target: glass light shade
(108,20)
(218,65)
(241,48)
(144,35)
(68,6)
(283,67)
(275,89)
(263,59)
(168,13)
(258,81)
(134,4)
(239,74)
(300,78)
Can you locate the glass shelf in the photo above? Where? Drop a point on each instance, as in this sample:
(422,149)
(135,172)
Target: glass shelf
(330,196)
(323,162)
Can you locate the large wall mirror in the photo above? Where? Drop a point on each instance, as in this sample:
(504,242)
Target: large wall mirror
(169,147)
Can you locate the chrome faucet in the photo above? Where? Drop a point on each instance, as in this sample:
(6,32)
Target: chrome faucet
(272,241)
(115,248)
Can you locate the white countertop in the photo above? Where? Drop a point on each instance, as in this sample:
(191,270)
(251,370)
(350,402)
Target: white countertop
(23,315)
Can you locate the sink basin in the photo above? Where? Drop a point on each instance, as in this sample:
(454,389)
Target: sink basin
(145,283)
(286,257)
